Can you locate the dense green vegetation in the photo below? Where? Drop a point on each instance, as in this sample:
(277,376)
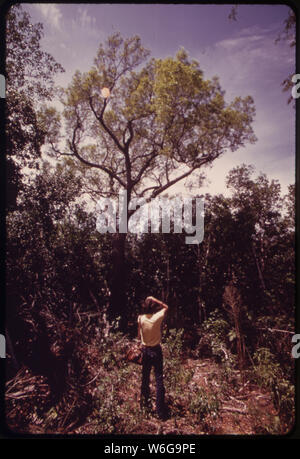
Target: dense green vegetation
(231,298)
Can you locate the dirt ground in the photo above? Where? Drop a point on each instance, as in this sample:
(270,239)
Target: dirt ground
(244,410)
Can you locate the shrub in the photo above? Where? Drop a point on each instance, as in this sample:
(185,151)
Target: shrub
(203,404)
(268,373)
(213,342)
(173,370)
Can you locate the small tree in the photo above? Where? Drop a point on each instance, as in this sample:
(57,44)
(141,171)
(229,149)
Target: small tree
(233,305)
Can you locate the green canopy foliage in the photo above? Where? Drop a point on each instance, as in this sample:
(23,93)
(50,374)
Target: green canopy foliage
(161,123)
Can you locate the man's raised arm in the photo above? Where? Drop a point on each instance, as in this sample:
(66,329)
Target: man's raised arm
(163,305)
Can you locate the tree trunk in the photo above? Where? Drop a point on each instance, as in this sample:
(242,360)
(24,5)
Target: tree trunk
(118,306)
(258,269)
(201,310)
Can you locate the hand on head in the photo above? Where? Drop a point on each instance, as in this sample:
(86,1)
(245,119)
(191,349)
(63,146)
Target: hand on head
(150,298)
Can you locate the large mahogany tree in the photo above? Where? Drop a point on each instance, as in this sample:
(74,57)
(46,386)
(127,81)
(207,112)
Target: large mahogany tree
(162,122)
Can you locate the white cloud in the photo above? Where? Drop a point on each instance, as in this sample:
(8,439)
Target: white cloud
(256,29)
(85,20)
(86,23)
(233,43)
(51,13)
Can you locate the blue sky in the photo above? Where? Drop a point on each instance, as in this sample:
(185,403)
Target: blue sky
(242,53)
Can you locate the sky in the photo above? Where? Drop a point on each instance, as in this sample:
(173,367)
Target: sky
(242,53)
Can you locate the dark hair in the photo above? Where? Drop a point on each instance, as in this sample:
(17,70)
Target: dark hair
(149,306)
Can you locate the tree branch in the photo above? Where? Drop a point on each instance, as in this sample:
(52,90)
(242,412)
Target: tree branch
(125,149)
(130,128)
(177,179)
(74,149)
(153,154)
(106,128)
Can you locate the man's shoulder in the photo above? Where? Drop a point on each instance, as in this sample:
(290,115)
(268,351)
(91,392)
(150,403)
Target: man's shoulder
(142,317)
(159,314)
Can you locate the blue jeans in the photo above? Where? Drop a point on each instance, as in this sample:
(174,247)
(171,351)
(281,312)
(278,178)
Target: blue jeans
(152,357)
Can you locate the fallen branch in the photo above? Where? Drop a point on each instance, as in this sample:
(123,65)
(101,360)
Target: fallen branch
(90,382)
(222,349)
(240,397)
(233,410)
(20,395)
(237,401)
(246,384)
(276,330)
(266,397)
(70,426)
(67,415)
